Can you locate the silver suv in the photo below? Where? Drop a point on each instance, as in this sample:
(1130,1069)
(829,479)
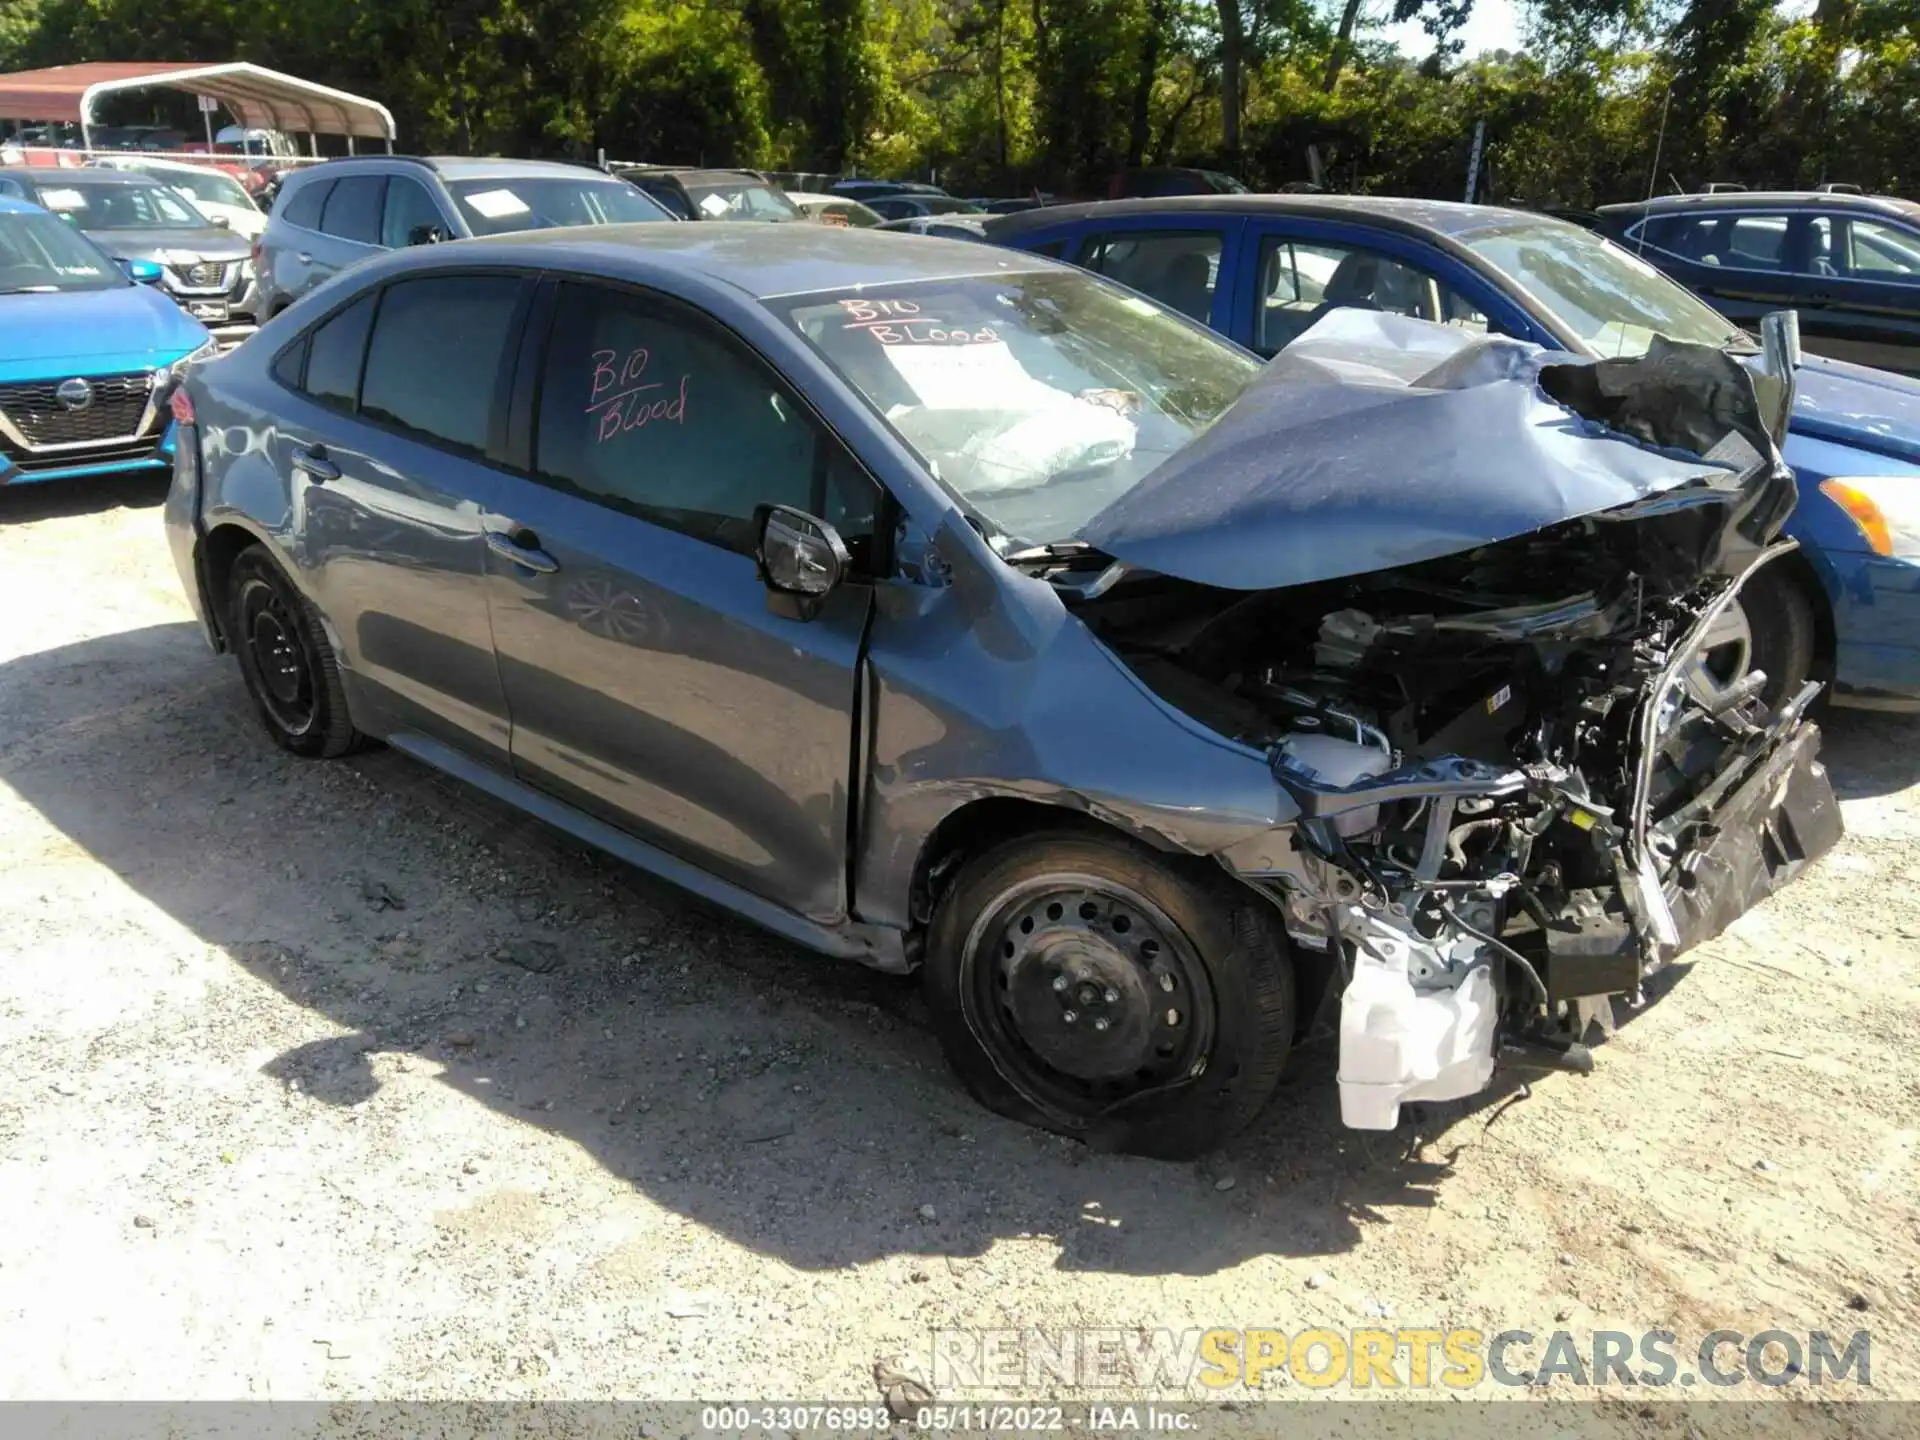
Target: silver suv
(336,214)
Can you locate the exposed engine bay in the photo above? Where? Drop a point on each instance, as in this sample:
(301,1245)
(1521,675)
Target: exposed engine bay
(1524,778)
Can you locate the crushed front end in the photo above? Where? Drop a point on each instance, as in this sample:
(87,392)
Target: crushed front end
(1529,772)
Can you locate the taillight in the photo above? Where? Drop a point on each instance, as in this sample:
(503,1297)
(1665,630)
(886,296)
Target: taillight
(181,404)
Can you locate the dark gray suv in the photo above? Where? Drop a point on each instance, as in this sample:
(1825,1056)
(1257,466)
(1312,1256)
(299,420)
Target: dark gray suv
(335,215)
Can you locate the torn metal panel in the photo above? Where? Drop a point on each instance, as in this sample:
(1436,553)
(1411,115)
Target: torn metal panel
(1376,441)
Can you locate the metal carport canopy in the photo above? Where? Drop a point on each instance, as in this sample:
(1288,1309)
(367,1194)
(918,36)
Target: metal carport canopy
(255,96)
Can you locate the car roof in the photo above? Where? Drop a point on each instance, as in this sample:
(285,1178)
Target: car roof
(1448,217)
(696,175)
(455,167)
(763,261)
(1765,200)
(41,175)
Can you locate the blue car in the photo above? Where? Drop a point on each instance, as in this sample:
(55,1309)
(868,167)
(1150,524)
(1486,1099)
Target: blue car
(1262,268)
(87,354)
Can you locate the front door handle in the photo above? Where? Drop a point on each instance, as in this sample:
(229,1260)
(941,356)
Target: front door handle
(304,258)
(312,460)
(521,546)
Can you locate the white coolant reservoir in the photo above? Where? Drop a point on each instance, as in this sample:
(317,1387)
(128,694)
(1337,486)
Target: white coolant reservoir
(1401,1040)
(1337,764)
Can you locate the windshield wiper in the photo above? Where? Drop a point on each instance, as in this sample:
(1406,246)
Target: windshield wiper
(31,290)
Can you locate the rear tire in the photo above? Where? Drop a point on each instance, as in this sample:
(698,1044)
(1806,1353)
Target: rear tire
(288,665)
(1089,986)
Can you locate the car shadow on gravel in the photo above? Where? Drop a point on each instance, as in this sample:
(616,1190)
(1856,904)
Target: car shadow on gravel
(57,499)
(799,1107)
(1870,752)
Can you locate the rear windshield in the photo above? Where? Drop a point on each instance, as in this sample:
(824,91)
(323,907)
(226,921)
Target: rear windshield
(501,205)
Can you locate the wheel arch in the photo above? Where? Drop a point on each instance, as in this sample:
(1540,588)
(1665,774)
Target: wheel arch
(219,548)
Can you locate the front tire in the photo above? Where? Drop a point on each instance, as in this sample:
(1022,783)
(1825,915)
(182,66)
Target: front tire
(1089,986)
(1781,616)
(288,665)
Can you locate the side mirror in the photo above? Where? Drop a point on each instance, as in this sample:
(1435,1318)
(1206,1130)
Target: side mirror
(142,272)
(800,558)
(220,222)
(427,235)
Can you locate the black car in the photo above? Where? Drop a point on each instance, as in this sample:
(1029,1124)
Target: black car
(712,194)
(1850,264)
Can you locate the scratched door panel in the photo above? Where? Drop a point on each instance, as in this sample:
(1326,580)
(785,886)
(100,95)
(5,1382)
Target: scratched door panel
(646,680)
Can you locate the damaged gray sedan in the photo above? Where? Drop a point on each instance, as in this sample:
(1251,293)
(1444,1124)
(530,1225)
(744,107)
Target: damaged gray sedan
(946,608)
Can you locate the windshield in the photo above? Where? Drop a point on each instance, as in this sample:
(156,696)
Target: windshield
(500,205)
(139,206)
(1038,399)
(745,200)
(39,255)
(1615,302)
(210,187)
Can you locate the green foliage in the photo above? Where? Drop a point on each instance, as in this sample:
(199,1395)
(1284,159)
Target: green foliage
(1006,95)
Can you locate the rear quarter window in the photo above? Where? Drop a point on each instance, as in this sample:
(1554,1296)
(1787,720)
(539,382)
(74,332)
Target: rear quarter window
(303,204)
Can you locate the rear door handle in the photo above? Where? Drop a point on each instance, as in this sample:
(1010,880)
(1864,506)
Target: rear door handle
(521,546)
(304,258)
(312,460)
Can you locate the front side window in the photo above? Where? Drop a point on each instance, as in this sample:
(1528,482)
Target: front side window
(499,206)
(1881,252)
(39,255)
(1179,269)
(93,206)
(1303,280)
(409,214)
(352,211)
(651,410)
(1037,399)
(435,354)
(1612,301)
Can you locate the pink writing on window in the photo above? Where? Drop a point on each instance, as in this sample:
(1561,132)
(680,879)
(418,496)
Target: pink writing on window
(624,400)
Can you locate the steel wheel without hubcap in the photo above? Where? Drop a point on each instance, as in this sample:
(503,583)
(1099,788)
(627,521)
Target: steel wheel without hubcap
(271,633)
(1086,995)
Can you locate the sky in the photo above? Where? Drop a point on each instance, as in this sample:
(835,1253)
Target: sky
(1494,25)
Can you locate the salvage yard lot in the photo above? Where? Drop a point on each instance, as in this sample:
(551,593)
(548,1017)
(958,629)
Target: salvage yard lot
(328,1080)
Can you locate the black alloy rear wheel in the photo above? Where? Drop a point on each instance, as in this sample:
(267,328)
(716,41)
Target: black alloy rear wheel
(288,665)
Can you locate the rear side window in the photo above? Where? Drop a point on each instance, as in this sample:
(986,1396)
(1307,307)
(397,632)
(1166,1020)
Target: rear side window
(303,205)
(1179,269)
(352,211)
(434,359)
(334,353)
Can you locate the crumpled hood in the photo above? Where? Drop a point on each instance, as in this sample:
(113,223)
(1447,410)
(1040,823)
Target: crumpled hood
(1856,405)
(1375,441)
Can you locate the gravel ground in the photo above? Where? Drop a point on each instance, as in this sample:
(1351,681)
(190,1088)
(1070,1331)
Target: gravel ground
(336,1081)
